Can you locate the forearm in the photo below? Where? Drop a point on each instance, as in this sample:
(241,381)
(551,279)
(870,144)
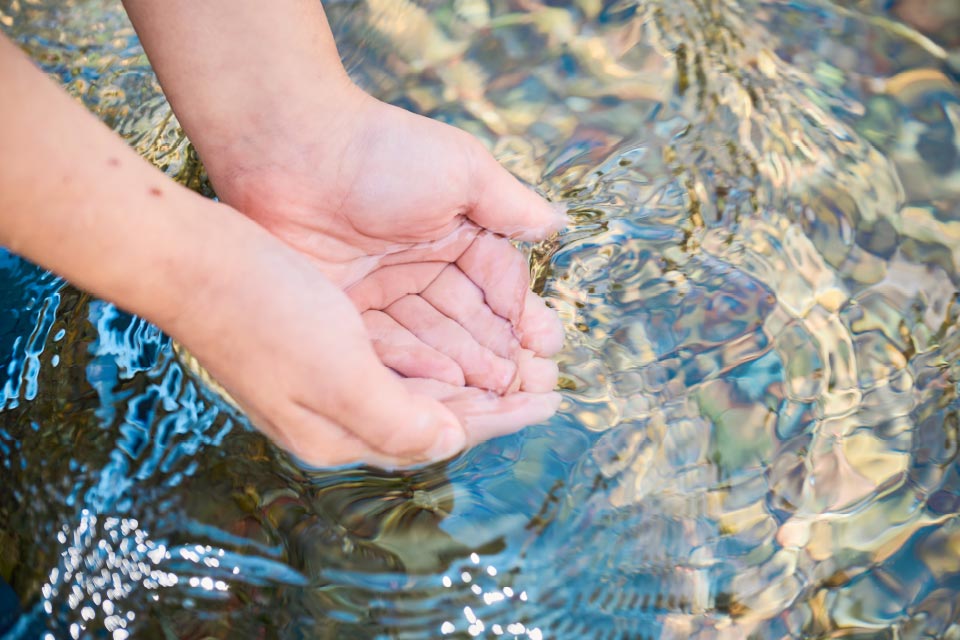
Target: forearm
(240,73)
(76,200)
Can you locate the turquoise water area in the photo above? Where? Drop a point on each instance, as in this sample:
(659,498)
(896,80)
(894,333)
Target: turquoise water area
(759,285)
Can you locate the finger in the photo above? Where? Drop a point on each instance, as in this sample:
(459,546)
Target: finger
(315,441)
(456,296)
(486,415)
(490,417)
(388,284)
(507,207)
(403,352)
(436,389)
(540,329)
(537,375)
(501,273)
(481,367)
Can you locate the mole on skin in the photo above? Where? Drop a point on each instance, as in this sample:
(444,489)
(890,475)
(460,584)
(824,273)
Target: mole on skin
(156,192)
(113,162)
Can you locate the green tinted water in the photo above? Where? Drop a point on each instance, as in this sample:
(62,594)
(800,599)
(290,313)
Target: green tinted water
(759,285)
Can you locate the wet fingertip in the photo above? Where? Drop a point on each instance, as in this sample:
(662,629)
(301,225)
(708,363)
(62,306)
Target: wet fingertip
(499,377)
(553,215)
(548,343)
(539,375)
(560,216)
(556,399)
(544,338)
(550,218)
(550,403)
(453,375)
(451,439)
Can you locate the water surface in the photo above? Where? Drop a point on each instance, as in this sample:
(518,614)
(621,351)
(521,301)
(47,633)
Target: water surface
(759,285)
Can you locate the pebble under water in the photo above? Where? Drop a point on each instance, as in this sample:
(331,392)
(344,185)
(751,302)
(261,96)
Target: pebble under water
(759,285)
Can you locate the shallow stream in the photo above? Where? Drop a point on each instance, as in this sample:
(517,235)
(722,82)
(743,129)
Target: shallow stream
(759,285)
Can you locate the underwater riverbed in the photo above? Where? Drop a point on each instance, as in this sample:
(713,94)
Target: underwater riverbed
(759,285)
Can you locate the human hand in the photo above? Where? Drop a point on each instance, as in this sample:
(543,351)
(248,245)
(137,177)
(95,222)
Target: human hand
(410,216)
(291,350)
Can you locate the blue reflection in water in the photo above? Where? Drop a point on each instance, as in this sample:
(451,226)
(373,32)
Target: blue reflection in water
(30,303)
(157,428)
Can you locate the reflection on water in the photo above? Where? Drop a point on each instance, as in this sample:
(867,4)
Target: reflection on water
(759,285)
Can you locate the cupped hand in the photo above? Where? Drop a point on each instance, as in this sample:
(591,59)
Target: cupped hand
(413,218)
(291,350)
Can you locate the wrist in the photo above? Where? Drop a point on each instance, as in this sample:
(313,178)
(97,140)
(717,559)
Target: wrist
(208,256)
(164,262)
(282,139)
(238,77)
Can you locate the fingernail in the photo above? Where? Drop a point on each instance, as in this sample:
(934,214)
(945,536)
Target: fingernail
(451,441)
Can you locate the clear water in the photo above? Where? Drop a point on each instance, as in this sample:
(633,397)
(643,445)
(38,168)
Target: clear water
(759,285)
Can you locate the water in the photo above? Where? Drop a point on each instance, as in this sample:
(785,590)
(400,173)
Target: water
(759,284)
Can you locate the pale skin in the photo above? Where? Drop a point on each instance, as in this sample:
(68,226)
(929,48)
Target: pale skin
(355,291)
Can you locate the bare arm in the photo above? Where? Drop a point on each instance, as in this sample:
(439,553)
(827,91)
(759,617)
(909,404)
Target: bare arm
(242,75)
(75,199)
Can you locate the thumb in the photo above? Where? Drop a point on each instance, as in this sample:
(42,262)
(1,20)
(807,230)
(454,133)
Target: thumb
(380,411)
(505,206)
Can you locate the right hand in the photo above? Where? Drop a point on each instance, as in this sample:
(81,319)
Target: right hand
(411,217)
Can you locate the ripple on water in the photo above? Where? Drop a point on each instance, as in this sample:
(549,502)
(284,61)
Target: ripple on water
(759,285)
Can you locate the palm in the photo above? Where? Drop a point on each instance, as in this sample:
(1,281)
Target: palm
(396,209)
